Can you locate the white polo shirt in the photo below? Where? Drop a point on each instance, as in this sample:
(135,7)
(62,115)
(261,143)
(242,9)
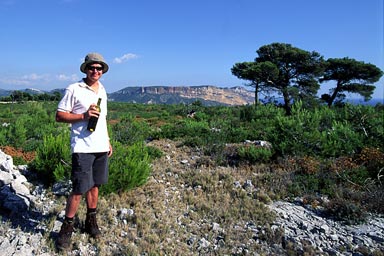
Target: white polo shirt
(77,99)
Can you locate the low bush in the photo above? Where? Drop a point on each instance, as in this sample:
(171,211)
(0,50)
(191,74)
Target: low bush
(318,151)
(254,154)
(346,211)
(128,168)
(340,140)
(52,162)
(129,130)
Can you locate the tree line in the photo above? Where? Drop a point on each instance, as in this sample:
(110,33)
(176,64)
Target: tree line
(295,74)
(289,72)
(20,96)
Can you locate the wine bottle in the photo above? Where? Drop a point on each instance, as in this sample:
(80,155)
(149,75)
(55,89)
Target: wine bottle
(93,120)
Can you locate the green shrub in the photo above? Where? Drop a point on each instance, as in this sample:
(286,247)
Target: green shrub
(365,120)
(356,176)
(340,140)
(53,158)
(4,135)
(129,167)
(318,151)
(297,134)
(18,160)
(29,122)
(254,154)
(304,184)
(321,182)
(169,131)
(321,132)
(18,132)
(238,134)
(129,131)
(260,112)
(184,128)
(154,152)
(194,128)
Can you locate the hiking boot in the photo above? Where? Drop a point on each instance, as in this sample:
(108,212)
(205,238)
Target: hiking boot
(64,239)
(91,225)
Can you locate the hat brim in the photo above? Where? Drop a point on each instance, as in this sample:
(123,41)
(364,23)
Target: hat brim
(84,66)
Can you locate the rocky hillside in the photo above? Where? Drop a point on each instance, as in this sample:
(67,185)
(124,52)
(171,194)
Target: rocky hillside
(208,95)
(163,217)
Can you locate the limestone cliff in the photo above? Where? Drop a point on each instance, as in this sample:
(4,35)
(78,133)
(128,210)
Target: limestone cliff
(208,95)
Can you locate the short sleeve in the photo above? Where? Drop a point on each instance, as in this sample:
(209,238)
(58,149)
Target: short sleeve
(67,102)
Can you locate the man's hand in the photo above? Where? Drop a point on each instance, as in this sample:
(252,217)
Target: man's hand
(92,111)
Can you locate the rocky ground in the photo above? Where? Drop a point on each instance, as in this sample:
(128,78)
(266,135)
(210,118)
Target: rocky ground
(151,220)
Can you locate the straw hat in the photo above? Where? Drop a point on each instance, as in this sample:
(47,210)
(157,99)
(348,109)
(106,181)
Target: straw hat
(94,58)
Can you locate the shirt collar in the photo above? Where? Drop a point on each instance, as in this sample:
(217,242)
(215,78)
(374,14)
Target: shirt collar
(84,85)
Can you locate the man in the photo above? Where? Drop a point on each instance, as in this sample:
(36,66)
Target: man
(90,150)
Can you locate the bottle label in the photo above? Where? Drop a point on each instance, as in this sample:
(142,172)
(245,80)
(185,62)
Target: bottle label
(93,120)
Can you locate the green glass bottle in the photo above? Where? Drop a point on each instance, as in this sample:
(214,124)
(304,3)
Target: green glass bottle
(93,120)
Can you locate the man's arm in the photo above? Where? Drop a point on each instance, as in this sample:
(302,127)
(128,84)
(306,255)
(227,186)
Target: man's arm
(66,117)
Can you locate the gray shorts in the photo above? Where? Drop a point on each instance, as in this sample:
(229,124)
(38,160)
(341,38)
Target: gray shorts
(88,170)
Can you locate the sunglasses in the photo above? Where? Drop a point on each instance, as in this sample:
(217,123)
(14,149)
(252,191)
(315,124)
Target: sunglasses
(93,68)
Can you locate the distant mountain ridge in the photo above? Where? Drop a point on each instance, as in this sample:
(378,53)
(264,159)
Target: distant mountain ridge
(208,95)
(32,91)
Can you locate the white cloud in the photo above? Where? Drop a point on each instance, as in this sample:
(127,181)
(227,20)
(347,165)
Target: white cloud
(25,80)
(70,78)
(125,57)
(34,79)
(14,81)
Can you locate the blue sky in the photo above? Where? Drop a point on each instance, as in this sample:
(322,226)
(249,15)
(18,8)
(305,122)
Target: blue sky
(175,43)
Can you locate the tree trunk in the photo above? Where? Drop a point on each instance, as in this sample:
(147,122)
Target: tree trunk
(256,94)
(287,104)
(334,94)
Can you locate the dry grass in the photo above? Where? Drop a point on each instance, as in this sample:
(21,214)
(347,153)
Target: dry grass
(185,209)
(190,206)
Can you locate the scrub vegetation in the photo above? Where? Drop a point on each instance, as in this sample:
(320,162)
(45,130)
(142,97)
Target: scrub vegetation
(315,153)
